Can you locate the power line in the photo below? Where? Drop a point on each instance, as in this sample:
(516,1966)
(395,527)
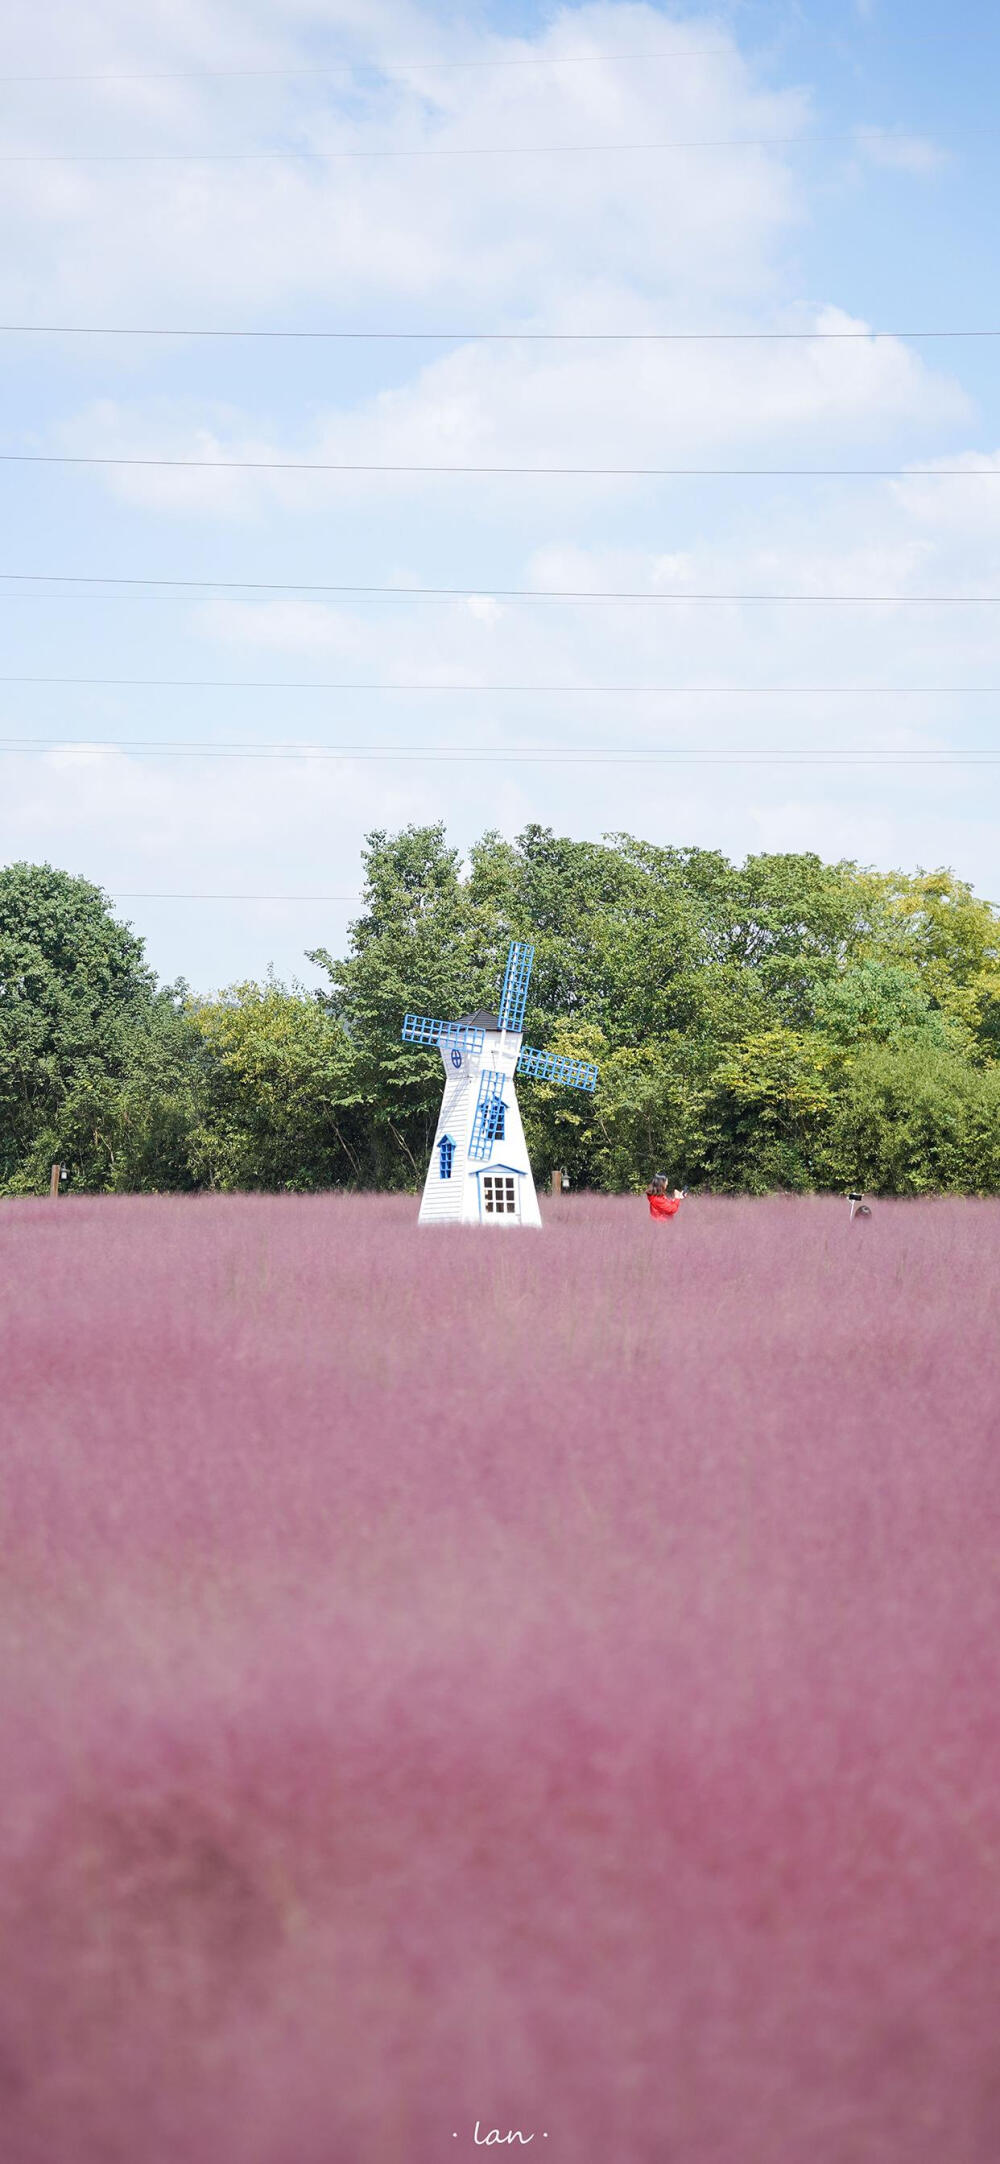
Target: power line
(530,755)
(364,65)
(127,894)
(120,330)
(635,473)
(474,150)
(492,593)
(671,691)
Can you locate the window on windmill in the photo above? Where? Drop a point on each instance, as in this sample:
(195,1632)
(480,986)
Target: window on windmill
(495,1120)
(499,1196)
(446,1153)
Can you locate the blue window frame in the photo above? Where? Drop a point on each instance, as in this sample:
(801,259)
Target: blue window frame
(446,1153)
(497,1120)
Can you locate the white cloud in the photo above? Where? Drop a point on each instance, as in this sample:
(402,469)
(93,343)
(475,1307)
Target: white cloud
(527,238)
(286,627)
(966,508)
(625,406)
(704,239)
(899,151)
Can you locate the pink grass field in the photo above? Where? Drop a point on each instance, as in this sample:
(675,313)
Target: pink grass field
(544,1681)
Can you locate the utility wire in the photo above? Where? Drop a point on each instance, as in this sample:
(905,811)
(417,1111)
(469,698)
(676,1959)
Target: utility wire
(127,894)
(634,473)
(482,338)
(485,593)
(370,66)
(669,691)
(476,150)
(528,755)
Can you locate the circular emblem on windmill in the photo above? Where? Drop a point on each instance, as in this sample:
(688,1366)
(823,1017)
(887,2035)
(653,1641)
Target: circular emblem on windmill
(456,1059)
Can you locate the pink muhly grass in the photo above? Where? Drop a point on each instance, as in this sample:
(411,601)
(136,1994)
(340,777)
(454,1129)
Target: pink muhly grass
(467,1676)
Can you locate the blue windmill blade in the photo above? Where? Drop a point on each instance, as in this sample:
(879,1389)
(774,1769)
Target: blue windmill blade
(488,1117)
(513,997)
(573,1074)
(428,1029)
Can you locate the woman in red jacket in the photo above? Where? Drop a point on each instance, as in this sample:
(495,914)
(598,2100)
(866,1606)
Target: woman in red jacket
(660,1203)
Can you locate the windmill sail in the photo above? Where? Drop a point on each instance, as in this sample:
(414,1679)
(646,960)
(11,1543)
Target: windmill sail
(426,1029)
(574,1074)
(513,997)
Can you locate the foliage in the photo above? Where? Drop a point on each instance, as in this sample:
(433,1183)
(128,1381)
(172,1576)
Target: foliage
(915,1119)
(280,1103)
(125,1121)
(74,994)
(418,944)
(728,1006)
(780,1023)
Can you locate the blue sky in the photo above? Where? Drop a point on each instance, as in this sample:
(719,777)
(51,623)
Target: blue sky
(838,174)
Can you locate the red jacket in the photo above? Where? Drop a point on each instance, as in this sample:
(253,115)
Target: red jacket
(662,1205)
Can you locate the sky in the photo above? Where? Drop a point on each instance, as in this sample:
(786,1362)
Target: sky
(170,631)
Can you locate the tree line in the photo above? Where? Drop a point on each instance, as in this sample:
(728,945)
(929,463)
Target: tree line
(784,1023)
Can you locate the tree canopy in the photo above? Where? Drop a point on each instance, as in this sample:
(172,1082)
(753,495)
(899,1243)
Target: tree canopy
(74,989)
(784,1022)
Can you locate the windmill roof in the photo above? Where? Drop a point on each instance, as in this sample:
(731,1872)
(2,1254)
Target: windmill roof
(480,1020)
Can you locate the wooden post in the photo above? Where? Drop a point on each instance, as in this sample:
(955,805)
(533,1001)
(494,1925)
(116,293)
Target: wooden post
(557,1183)
(54,1180)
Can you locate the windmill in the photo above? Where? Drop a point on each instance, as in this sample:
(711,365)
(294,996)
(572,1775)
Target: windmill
(479,1172)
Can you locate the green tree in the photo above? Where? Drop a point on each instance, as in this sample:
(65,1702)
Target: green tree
(559,1123)
(914,1120)
(770,1104)
(280,1106)
(951,938)
(729,1001)
(882,1002)
(419,944)
(125,1125)
(780,1022)
(650,1114)
(75,992)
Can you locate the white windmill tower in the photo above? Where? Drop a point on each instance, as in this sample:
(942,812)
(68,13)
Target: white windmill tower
(479,1172)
